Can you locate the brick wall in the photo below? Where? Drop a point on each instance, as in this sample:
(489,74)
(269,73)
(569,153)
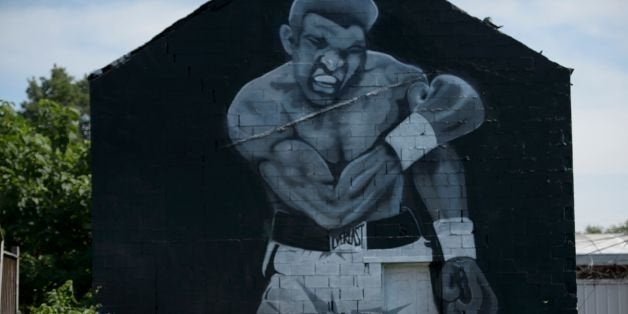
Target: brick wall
(181,224)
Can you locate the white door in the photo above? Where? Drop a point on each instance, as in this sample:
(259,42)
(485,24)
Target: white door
(407,289)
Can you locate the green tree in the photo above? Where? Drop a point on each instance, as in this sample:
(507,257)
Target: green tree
(593,229)
(59,87)
(622,228)
(63,89)
(45,196)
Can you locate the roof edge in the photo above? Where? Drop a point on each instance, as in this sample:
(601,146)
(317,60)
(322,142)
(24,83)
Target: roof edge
(489,24)
(601,259)
(218,4)
(209,5)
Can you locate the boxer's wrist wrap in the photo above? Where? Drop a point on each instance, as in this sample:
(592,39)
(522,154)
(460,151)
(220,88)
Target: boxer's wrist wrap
(456,237)
(412,139)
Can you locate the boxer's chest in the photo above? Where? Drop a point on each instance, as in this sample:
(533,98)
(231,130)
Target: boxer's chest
(345,133)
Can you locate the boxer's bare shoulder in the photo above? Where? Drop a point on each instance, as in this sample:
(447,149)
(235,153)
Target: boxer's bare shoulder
(260,98)
(268,86)
(392,69)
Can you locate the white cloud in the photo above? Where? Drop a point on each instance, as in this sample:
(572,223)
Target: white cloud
(599,119)
(542,24)
(81,38)
(568,32)
(600,141)
(542,13)
(600,200)
(590,37)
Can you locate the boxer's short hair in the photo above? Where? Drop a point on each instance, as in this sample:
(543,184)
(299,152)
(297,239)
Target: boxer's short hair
(343,12)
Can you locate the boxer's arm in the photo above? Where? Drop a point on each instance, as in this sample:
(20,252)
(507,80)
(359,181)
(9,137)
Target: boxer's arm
(440,182)
(439,178)
(299,175)
(442,111)
(301,178)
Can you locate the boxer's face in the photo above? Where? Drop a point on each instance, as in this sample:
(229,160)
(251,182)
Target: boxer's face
(326,57)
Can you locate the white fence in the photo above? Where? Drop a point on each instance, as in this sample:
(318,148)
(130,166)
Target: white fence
(9,280)
(602,296)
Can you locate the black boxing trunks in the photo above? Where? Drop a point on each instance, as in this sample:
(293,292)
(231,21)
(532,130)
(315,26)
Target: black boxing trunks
(302,232)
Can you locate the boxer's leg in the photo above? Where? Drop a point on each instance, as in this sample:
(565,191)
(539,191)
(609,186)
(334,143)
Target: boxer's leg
(321,282)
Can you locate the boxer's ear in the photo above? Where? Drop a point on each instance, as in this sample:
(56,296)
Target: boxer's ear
(287,38)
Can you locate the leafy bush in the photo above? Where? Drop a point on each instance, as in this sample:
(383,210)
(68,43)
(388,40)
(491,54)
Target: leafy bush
(45,196)
(62,301)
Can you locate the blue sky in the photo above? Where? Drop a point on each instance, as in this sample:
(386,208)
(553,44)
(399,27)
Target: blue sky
(84,35)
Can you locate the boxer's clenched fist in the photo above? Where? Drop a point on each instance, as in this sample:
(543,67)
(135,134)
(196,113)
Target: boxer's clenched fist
(464,289)
(442,111)
(450,105)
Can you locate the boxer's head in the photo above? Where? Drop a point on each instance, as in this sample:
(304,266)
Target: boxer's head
(326,40)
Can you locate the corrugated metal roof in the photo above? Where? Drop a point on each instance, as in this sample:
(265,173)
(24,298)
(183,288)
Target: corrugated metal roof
(602,249)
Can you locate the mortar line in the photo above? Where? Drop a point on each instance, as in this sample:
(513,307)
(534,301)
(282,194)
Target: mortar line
(312,115)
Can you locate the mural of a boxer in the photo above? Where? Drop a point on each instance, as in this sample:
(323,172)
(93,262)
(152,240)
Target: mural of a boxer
(340,134)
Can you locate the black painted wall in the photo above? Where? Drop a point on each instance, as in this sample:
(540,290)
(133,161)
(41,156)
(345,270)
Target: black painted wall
(180,223)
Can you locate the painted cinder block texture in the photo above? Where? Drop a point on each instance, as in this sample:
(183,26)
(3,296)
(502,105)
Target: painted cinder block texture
(474,211)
